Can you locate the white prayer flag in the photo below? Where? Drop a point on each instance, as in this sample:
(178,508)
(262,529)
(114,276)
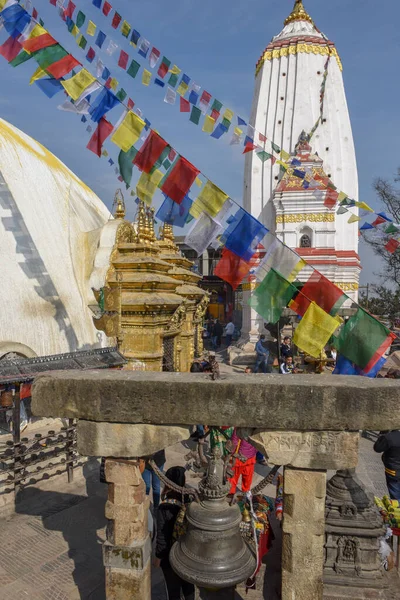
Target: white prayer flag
(202,233)
(170,96)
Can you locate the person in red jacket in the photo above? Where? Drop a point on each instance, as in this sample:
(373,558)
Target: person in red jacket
(244,461)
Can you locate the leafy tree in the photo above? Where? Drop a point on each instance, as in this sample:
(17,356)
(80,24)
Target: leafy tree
(383,303)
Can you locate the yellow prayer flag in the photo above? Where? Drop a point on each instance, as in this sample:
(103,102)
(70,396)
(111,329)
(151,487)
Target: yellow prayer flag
(314,330)
(285,155)
(198,182)
(2,4)
(228,114)
(147,186)
(354,219)
(128,132)
(74,31)
(76,85)
(299,267)
(146,77)
(78,39)
(364,206)
(182,88)
(113,83)
(238,131)
(175,70)
(37,31)
(104,153)
(91,28)
(208,125)
(38,74)
(342,196)
(283,165)
(211,199)
(125,28)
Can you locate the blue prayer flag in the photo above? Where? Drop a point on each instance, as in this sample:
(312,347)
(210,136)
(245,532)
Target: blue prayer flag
(100,39)
(83,119)
(366,226)
(384,216)
(15,19)
(147,126)
(219,131)
(159,82)
(306,184)
(135,37)
(174,214)
(110,160)
(241,121)
(193,97)
(248,140)
(50,87)
(344,366)
(300,174)
(105,74)
(104,102)
(185,79)
(246,235)
(97,3)
(295,162)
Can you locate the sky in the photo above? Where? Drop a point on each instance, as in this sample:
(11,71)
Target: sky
(218,45)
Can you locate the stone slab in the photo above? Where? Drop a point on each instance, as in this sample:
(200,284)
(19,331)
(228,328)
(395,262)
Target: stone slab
(128,584)
(125,440)
(132,557)
(309,450)
(301,402)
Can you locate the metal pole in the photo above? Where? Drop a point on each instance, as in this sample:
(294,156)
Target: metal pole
(69,450)
(16,425)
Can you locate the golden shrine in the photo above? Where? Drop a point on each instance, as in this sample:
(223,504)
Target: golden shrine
(151,302)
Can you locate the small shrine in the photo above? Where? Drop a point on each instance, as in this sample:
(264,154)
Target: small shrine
(151,302)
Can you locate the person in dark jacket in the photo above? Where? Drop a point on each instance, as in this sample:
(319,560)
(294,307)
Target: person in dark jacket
(167,514)
(216,334)
(286,348)
(389,443)
(151,479)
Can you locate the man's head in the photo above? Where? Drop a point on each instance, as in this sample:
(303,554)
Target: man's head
(248,370)
(262,337)
(286,340)
(289,360)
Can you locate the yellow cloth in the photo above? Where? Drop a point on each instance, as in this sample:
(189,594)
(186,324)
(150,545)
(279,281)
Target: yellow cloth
(208,125)
(38,74)
(211,199)
(238,131)
(2,4)
(147,186)
(364,206)
(113,83)
(91,28)
(285,155)
(104,153)
(198,182)
(284,165)
(354,219)
(76,85)
(182,88)
(146,77)
(125,29)
(342,196)
(228,114)
(175,70)
(314,330)
(74,31)
(37,31)
(128,132)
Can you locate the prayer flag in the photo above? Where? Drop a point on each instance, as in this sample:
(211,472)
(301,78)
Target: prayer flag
(80,19)
(125,162)
(82,42)
(249,147)
(285,155)
(331,198)
(263,156)
(232,269)
(123,59)
(133,68)
(195,115)
(69,10)
(179,180)
(198,182)
(38,74)
(111,48)
(354,219)
(215,115)
(296,172)
(10,49)
(116,20)
(91,28)
(97,3)
(14,19)
(147,186)
(170,96)
(384,216)
(193,97)
(20,58)
(378,221)
(81,108)
(219,131)
(146,77)
(183,86)
(184,105)
(125,29)
(392,245)
(364,206)
(163,68)
(150,152)
(314,330)
(342,210)
(77,85)
(104,102)
(216,105)
(37,43)
(210,200)
(121,95)
(323,292)
(392,229)
(103,130)
(208,125)
(204,101)
(100,39)
(366,226)
(90,55)
(364,340)
(246,235)
(262,138)
(128,132)
(144,47)
(275,148)
(202,232)
(135,37)
(174,214)
(113,84)
(63,67)
(154,56)
(272,296)
(106,8)
(131,104)
(241,121)
(281,258)
(50,87)
(228,114)
(173,80)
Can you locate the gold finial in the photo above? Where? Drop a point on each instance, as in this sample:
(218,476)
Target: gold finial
(298,13)
(151,219)
(120,209)
(168,232)
(141,223)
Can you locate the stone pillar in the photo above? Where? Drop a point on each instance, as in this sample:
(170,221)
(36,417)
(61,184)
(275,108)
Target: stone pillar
(127,551)
(303,534)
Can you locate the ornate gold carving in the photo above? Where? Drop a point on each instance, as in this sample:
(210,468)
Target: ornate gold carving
(300,48)
(347,287)
(301,217)
(177,318)
(201,308)
(125,234)
(298,13)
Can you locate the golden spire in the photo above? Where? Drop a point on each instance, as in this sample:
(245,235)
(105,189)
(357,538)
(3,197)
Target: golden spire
(151,219)
(141,223)
(298,13)
(120,209)
(168,232)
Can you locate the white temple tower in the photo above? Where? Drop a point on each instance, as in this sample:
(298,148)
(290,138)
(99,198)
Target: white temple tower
(287,102)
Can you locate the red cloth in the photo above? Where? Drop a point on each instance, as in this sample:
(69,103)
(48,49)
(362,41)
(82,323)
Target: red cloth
(320,290)
(123,59)
(331,198)
(69,11)
(243,446)
(106,8)
(162,70)
(91,54)
(380,352)
(108,83)
(97,140)
(184,105)
(37,43)
(180,180)
(205,97)
(392,245)
(10,49)
(131,104)
(378,221)
(151,150)
(249,147)
(215,114)
(25,391)
(63,67)
(116,20)
(35,14)
(233,269)
(246,470)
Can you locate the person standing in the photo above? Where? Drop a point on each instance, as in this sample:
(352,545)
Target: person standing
(286,348)
(389,443)
(217,332)
(244,462)
(262,355)
(229,331)
(151,480)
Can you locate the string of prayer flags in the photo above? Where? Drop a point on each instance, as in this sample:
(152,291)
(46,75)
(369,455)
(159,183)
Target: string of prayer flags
(210,200)
(104,102)
(164,67)
(103,130)
(128,132)
(232,269)
(150,151)
(271,296)
(180,180)
(281,258)
(323,292)
(314,330)
(125,163)
(184,85)
(63,67)
(203,231)
(78,84)
(364,340)
(147,185)
(392,245)
(246,235)
(174,214)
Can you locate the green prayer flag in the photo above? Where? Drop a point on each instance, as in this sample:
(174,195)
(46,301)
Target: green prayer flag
(226,123)
(47,56)
(133,68)
(121,95)
(83,42)
(166,164)
(391,229)
(217,105)
(272,296)
(125,162)
(264,155)
(341,210)
(163,156)
(21,58)
(275,148)
(173,80)
(80,19)
(41,22)
(195,115)
(361,337)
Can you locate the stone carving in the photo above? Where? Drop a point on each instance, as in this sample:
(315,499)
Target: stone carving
(312,217)
(177,318)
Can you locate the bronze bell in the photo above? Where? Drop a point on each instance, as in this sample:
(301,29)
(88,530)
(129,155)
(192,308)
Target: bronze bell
(212,554)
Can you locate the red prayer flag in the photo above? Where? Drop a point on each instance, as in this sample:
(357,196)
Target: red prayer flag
(35,14)
(180,180)
(233,269)
(249,147)
(123,59)
(172,155)
(131,103)
(323,179)
(273,159)
(205,97)
(63,67)
(162,70)
(331,198)
(378,221)
(392,245)
(10,49)
(116,20)
(107,8)
(69,11)
(150,152)
(184,105)
(53,2)
(37,43)
(91,54)
(102,132)
(215,114)
(262,137)
(108,83)
(320,290)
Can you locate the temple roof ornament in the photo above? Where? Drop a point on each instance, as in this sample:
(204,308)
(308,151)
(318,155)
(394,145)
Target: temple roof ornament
(298,14)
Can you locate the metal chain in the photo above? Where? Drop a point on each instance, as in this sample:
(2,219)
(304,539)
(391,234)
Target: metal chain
(171,484)
(264,482)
